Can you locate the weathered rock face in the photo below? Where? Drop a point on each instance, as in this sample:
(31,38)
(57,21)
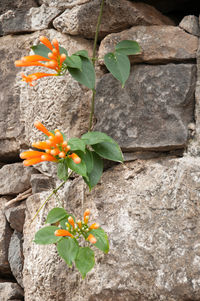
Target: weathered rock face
(37,18)
(11,291)
(5,236)
(158,257)
(63,3)
(118,15)
(16,216)
(152,111)
(17,179)
(191,25)
(15,256)
(159,44)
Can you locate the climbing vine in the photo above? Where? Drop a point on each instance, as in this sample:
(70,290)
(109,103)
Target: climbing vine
(84,156)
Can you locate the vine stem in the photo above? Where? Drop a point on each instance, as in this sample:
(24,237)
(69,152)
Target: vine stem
(52,193)
(93,61)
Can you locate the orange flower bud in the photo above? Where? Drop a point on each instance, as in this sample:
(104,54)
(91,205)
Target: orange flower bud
(34,58)
(46,42)
(92,239)
(64,144)
(87,212)
(55,44)
(71,221)
(62,155)
(63,57)
(51,56)
(62,232)
(55,51)
(94,226)
(79,223)
(55,152)
(75,158)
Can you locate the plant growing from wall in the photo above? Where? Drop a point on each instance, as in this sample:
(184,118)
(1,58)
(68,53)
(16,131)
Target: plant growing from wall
(84,155)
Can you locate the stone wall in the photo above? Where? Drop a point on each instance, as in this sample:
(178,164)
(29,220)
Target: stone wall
(150,205)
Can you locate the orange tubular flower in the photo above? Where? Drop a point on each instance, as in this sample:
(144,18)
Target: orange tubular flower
(92,239)
(34,58)
(32,161)
(75,158)
(42,128)
(32,77)
(62,232)
(54,61)
(71,221)
(46,42)
(31,154)
(86,216)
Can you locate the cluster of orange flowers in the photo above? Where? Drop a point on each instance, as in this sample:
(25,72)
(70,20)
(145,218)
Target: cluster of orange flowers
(55,148)
(80,226)
(54,61)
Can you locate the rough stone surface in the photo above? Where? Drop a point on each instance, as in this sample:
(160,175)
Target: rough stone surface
(11,130)
(15,257)
(5,234)
(158,43)
(62,4)
(16,216)
(14,178)
(58,102)
(10,291)
(118,15)
(191,25)
(17,5)
(158,257)
(40,182)
(36,18)
(152,111)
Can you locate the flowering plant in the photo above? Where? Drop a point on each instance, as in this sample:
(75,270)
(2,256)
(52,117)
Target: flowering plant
(84,155)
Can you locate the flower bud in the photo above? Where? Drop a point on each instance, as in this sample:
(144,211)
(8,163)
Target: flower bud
(92,239)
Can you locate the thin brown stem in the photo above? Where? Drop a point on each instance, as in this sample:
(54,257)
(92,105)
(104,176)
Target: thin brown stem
(93,61)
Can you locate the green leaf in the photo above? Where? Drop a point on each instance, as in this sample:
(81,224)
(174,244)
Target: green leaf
(102,239)
(46,236)
(78,168)
(68,249)
(85,260)
(128,47)
(76,144)
(41,49)
(91,138)
(62,170)
(95,174)
(110,151)
(85,76)
(55,215)
(82,53)
(119,65)
(88,158)
(74,61)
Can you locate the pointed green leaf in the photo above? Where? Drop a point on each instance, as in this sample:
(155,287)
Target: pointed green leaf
(85,260)
(41,49)
(128,47)
(88,158)
(74,61)
(78,168)
(119,65)
(46,236)
(55,215)
(68,249)
(91,138)
(110,151)
(95,174)
(102,239)
(62,170)
(82,53)
(76,144)
(85,76)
